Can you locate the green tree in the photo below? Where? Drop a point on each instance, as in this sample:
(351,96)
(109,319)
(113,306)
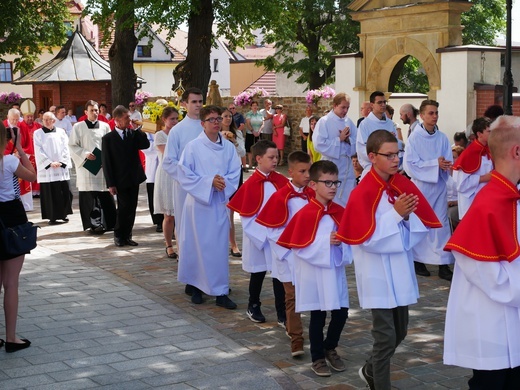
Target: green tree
(307,34)
(235,20)
(30,27)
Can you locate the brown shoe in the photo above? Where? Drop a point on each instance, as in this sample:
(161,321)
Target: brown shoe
(334,360)
(320,367)
(297,349)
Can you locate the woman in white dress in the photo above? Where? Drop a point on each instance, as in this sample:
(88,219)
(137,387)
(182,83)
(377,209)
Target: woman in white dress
(163,194)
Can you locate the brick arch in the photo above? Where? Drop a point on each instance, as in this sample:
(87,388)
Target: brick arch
(389,54)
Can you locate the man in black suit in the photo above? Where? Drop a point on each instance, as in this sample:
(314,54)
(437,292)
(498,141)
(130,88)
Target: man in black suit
(124,172)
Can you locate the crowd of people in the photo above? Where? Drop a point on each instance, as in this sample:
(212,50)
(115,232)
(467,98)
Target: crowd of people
(357,194)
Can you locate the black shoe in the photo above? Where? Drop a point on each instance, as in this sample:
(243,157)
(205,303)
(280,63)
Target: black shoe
(65,220)
(131,242)
(53,222)
(188,290)
(369,380)
(119,241)
(225,302)
(97,230)
(445,272)
(1,343)
(158,229)
(196,297)
(254,313)
(420,269)
(13,347)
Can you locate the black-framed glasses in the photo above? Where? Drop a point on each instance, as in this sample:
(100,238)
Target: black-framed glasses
(218,119)
(391,156)
(330,183)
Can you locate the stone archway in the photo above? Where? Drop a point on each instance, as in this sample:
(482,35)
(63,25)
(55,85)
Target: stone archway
(393,29)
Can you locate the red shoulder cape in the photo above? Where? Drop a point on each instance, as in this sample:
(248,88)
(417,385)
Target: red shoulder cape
(471,158)
(493,213)
(302,228)
(359,220)
(276,211)
(250,196)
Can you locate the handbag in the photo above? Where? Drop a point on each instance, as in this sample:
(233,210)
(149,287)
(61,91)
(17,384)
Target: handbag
(18,240)
(287,128)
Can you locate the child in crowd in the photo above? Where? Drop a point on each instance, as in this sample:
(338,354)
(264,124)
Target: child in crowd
(248,201)
(391,215)
(319,266)
(275,215)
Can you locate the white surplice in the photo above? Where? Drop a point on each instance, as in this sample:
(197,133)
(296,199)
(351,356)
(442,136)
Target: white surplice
(385,274)
(48,148)
(422,165)
(319,271)
(203,249)
(468,184)
(483,316)
(326,141)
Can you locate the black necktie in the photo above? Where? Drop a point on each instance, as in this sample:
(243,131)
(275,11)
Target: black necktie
(125,135)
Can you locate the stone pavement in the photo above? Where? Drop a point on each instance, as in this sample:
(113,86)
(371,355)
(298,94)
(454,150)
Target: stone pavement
(106,317)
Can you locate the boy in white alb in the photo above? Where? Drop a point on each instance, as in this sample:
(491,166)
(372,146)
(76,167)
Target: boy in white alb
(319,266)
(386,216)
(483,315)
(275,215)
(256,253)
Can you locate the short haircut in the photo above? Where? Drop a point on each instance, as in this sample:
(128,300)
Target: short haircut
(119,111)
(253,102)
(260,148)
(460,136)
(338,98)
(505,131)
(322,167)
(410,109)
(493,112)
(428,102)
(101,105)
(354,156)
(390,109)
(192,90)
(480,124)
(167,111)
(377,139)
(298,157)
(205,111)
(90,103)
(13,112)
(375,94)
(60,107)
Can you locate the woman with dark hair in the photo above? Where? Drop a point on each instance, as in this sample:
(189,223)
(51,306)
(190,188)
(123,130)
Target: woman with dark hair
(12,214)
(163,193)
(254,124)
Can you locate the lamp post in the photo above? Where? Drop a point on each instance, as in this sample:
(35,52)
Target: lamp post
(508,75)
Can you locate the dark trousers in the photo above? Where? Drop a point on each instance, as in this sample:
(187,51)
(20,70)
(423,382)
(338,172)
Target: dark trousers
(255,288)
(126,208)
(389,328)
(157,219)
(304,145)
(338,318)
(97,208)
(506,379)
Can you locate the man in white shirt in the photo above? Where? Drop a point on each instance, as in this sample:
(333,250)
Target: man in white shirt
(62,121)
(268,113)
(134,114)
(304,127)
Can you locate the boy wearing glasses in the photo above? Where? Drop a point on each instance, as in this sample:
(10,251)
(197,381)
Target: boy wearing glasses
(391,216)
(319,266)
(209,171)
(376,120)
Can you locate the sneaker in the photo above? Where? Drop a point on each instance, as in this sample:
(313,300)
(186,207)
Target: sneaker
(298,352)
(196,297)
(282,323)
(369,380)
(420,269)
(445,272)
(320,367)
(297,349)
(334,360)
(225,302)
(254,313)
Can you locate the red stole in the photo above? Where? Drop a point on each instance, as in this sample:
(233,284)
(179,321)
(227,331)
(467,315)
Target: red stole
(302,228)
(276,211)
(488,231)
(250,196)
(471,158)
(359,220)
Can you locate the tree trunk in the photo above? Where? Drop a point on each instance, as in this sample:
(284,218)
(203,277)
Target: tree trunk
(121,57)
(195,70)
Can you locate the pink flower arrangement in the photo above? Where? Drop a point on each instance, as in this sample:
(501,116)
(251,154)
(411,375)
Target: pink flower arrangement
(9,98)
(245,98)
(141,97)
(314,95)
